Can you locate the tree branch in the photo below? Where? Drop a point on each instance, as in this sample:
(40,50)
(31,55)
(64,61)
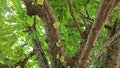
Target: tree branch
(42,61)
(89,19)
(22,63)
(74,19)
(52,34)
(102,14)
(105,45)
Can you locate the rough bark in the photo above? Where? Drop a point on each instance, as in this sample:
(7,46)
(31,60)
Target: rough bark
(102,14)
(113,51)
(52,34)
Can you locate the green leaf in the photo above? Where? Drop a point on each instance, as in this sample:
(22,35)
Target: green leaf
(40,2)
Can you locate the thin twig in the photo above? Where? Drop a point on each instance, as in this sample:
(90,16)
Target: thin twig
(35,23)
(87,13)
(107,44)
(74,19)
(89,19)
(22,63)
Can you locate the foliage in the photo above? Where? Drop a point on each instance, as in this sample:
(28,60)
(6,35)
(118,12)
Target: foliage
(16,42)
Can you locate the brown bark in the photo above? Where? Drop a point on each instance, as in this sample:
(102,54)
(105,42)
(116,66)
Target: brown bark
(113,51)
(105,45)
(52,34)
(102,14)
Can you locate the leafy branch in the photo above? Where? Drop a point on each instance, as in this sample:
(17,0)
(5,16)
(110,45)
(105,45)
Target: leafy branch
(74,19)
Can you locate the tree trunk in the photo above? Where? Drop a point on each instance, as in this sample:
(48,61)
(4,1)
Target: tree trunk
(113,51)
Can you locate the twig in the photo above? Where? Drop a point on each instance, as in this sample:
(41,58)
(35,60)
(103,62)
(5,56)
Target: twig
(74,19)
(85,17)
(107,44)
(22,63)
(34,24)
(87,13)
(89,19)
